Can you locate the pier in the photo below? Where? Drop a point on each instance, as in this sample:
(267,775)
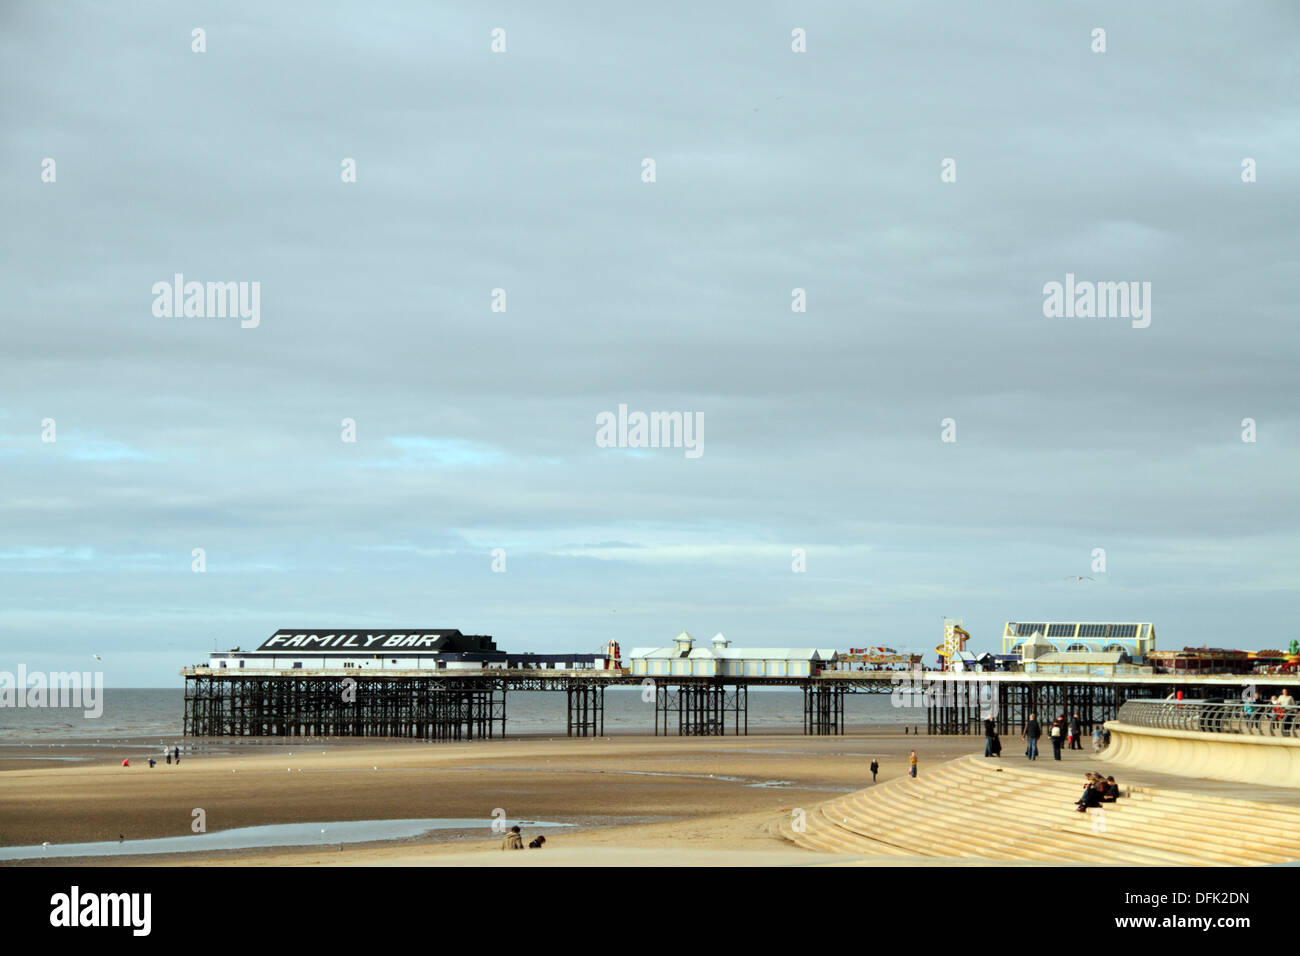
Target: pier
(438,705)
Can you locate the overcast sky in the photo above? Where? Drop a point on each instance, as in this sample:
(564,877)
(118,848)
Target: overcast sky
(774,170)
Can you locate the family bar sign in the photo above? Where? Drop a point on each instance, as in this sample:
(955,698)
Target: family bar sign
(352,642)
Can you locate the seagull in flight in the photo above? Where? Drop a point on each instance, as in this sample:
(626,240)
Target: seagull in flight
(1079,577)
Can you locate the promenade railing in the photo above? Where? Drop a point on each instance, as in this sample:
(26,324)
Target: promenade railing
(1259,719)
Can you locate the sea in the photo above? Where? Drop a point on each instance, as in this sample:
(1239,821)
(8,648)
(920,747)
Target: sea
(152,712)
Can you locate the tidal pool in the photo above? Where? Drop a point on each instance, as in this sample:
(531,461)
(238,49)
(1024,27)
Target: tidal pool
(280,834)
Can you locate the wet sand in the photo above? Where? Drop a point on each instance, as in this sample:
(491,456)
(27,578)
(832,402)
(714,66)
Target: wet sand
(634,799)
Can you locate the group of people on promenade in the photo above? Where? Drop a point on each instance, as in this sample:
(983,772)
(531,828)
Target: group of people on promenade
(1279,708)
(1065,730)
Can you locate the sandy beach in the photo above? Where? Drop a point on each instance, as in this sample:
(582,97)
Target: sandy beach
(631,800)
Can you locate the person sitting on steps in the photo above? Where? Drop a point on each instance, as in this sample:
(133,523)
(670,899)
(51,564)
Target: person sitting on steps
(1110,791)
(1091,795)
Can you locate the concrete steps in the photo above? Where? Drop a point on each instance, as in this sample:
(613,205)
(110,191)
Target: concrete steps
(1023,836)
(1264,837)
(1120,828)
(1266,828)
(1028,832)
(985,810)
(1184,829)
(828,840)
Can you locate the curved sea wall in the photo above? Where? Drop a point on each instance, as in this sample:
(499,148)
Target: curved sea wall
(1274,761)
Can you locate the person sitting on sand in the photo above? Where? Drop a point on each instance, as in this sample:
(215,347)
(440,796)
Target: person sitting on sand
(513,840)
(537,842)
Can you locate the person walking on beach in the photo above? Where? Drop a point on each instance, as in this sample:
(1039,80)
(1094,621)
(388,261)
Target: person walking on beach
(990,733)
(1055,734)
(169,756)
(911,764)
(875,769)
(176,752)
(1076,731)
(1031,735)
(513,840)
(1096,739)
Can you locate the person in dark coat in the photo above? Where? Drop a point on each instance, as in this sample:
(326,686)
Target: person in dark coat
(990,734)
(1076,729)
(1110,792)
(1091,797)
(997,746)
(875,769)
(1031,735)
(1057,733)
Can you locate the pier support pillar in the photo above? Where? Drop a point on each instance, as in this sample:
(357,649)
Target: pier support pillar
(586,711)
(823,709)
(362,706)
(702,708)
